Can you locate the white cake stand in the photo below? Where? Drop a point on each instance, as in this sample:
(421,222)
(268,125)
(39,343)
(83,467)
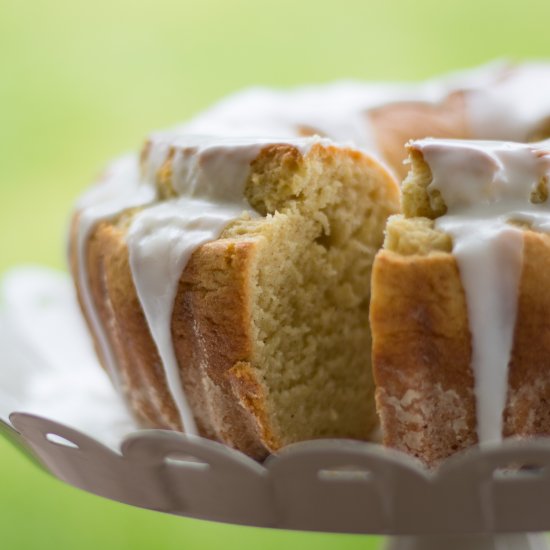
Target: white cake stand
(478,500)
(490,498)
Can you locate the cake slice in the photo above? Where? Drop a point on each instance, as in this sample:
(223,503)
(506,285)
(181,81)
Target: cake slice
(226,284)
(459,312)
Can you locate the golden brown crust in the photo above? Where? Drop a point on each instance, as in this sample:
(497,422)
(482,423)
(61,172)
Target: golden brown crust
(395,124)
(211,334)
(421,355)
(250,394)
(422,352)
(528,408)
(117,303)
(210,327)
(129,379)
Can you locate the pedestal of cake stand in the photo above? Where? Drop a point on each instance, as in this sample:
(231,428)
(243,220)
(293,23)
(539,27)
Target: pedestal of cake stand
(519,541)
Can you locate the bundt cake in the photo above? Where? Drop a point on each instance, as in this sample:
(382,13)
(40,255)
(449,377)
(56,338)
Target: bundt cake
(226,279)
(459,315)
(225,282)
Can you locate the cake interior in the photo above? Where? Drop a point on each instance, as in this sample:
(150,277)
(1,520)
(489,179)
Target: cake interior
(324,220)
(414,231)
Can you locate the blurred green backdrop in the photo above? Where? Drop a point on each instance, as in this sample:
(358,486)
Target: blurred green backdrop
(83,81)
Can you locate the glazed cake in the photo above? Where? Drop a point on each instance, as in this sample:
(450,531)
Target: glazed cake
(214,277)
(226,279)
(461,341)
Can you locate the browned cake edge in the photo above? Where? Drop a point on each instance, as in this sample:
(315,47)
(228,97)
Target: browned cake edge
(421,355)
(422,352)
(213,349)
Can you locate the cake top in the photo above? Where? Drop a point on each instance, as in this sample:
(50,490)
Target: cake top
(502,101)
(515,107)
(486,176)
(211,168)
(208,167)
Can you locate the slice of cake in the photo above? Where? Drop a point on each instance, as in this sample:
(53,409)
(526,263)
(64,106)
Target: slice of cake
(459,316)
(226,284)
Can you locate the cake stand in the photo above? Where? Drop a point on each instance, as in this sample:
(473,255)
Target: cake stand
(478,500)
(495,497)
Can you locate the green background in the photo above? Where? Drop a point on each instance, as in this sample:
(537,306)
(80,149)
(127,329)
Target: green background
(82,81)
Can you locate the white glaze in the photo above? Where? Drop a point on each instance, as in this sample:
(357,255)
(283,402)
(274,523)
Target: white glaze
(485,185)
(515,106)
(208,177)
(119,188)
(339,110)
(503,101)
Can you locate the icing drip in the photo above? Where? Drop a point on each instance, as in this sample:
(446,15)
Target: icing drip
(160,241)
(486,185)
(208,179)
(120,188)
(489,257)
